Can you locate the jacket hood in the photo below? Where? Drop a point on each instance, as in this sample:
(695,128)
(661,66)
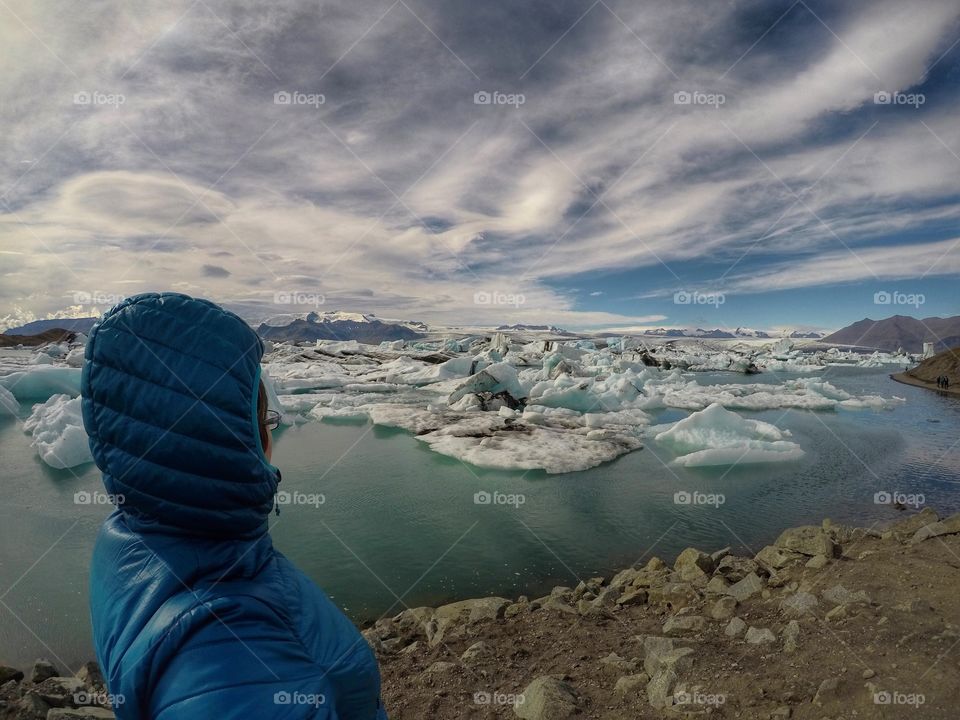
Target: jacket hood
(169,390)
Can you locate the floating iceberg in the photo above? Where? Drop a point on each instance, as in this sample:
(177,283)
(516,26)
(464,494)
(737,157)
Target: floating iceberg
(716,436)
(499,378)
(529,447)
(75,357)
(615,392)
(58,434)
(800,394)
(42,381)
(515,400)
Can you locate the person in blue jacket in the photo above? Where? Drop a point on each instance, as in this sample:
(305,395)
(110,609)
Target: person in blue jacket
(195,614)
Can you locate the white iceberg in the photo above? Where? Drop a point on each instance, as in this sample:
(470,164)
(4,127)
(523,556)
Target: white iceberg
(560,406)
(42,381)
(493,441)
(716,436)
(75,357)
(58,434)
(497,378)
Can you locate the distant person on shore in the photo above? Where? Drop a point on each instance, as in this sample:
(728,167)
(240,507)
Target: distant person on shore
(196,616)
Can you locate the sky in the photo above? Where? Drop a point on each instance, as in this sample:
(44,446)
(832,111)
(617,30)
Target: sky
(591,164)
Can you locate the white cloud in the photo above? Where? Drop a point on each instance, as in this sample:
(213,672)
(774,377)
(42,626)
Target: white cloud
(398,195)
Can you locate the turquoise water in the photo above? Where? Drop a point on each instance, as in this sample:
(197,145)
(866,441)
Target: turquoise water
(399,526)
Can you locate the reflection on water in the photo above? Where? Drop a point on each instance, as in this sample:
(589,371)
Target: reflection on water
(399,525)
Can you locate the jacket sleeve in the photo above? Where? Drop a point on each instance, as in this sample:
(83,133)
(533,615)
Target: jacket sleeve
(229,658)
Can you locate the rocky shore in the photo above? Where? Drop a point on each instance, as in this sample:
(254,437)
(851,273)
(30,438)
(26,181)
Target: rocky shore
(829,622)
(42,692)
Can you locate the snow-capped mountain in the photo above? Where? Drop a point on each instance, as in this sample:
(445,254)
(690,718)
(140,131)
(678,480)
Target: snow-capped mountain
(716,333)
(336,325)
(683,332)
(740,332)
(534,328)
(667,332)
(750,332)
(326,316)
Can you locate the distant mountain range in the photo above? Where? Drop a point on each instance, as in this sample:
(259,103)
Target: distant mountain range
(726,334)
(40,338)
(534,328)
(890,334)
(336,325)
(332,325)
(38,326)
(900,331)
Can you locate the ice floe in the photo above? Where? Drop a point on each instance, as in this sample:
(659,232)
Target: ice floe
(716,436)
(57,430)
(515,400)
(39,382)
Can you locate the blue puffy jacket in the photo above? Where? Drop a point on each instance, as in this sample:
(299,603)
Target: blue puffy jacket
(195,613)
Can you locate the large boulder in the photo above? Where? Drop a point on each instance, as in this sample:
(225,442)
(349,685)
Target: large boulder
(633,597)
(790,635)
(625,577)
(675,595)
(724,608)
(684,625)
(471,611)
(662,652)
(660,688)
(735,627)
(61,691)
(735,569)
(547,698)
(31,706)
(950,526)
(759,636)
(41,670)
(592,585)
(693,565)
(746,588)
(717,586)
(89,674)
(905,529)
(8,673)
(663,662)
(808,540)
(773,558)
(466,612)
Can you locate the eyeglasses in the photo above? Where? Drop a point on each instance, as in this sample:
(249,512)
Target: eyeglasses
(272,421)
